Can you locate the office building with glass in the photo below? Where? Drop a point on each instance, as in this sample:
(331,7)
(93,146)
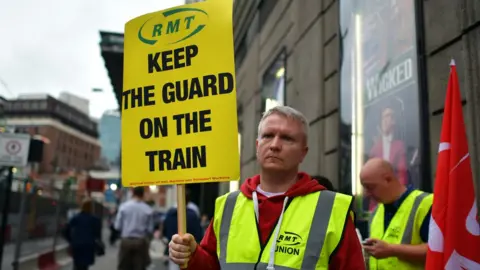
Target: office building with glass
(110,131)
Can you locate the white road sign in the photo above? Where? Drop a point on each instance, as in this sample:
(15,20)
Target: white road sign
(14,149)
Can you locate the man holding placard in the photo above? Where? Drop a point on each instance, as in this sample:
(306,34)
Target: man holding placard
(179,126)
(299,224)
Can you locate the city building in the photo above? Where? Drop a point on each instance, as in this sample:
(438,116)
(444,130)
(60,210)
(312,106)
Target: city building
(33,96)
(73,137)
(363,72)
(286,53)
(109,128)
(79,103)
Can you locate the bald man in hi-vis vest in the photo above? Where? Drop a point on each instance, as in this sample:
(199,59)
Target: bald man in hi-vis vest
(399,224)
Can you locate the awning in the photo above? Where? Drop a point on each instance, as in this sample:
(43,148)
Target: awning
(112,53)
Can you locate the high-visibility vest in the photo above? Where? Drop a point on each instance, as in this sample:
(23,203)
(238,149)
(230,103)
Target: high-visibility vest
(310,231)
(404,228)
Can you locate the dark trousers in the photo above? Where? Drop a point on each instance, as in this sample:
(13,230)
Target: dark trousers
(134,254)
(80,267)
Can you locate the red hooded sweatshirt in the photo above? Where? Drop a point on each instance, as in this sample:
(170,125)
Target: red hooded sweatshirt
(347,256)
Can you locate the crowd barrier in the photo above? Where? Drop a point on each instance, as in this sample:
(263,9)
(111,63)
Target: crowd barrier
(49,260)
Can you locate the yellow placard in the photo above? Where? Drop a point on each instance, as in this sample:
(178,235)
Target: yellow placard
(179,110)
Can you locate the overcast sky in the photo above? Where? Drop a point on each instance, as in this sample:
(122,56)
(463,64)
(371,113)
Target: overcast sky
(50,46)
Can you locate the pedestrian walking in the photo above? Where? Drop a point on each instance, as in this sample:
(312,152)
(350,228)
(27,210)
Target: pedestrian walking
(134,221)
(170,226)
(114,234)
(281,218)
(83,233)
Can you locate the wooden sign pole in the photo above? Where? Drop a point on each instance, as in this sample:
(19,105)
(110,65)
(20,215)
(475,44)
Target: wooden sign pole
(182,212)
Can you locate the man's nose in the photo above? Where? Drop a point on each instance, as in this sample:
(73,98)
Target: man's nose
(276,144)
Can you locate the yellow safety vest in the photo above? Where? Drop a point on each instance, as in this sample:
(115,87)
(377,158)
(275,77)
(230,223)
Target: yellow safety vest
(310,231)
(403,229)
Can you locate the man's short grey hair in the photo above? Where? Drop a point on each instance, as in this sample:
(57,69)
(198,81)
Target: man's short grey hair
(288,112)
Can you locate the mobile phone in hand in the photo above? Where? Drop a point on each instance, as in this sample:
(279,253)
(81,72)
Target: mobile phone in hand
(367,243)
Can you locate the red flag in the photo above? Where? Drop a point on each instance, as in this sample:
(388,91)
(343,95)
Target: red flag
(454,238)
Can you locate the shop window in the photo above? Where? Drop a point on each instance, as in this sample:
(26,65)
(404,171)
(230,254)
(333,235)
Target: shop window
(273,84)
(265,9)
(380,113)
(42,105)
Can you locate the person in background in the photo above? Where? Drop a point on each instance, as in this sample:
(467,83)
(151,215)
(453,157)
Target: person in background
(170,226)
(83,233)
(191,205)
(134,221)
(204,222)
(150,203)
(114,234)
(400,223)
(324,181)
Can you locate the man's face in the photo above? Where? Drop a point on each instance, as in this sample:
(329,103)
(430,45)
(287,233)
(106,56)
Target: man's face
(376,186)
(388,121)
(281,144)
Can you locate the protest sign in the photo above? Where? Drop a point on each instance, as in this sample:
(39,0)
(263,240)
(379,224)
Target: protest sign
(179,113)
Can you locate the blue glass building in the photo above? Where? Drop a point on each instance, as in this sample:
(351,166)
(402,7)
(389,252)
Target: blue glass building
(110,137)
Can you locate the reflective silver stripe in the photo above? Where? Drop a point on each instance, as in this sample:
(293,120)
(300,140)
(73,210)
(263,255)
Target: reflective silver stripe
(225,228)
(262,266)
(408,234)
(239,266)
(315,241)
(248,266)
(318,229)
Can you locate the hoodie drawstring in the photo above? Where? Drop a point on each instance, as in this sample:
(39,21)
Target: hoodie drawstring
(255,205)
(271,261)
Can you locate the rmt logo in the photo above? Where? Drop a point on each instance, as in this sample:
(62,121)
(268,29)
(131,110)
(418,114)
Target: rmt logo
(286,243)
(289,239)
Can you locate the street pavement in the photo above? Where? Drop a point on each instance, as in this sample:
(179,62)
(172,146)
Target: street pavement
(109,261)
(28,247)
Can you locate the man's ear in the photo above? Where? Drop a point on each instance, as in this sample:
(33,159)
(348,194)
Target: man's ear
(388,177)
(305,152)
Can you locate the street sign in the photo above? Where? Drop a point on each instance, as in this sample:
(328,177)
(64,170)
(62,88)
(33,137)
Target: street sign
(14,149)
